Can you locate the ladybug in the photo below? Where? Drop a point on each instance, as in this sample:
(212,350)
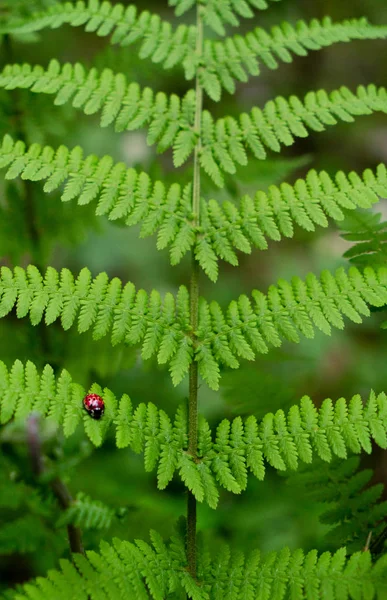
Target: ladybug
(94,406)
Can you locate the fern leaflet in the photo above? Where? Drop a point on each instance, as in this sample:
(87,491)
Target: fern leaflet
(159,41)
(104,306)
(288,310)
(281,121)
(122,193)
(240,56)
(125,105)
(272,215)
(368,234)
(352,507)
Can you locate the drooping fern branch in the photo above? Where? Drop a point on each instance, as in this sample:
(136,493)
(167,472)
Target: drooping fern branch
(159,571)
(127,195)
(88,513)
(351,507)
(225,458)
(164,328)
(367,233)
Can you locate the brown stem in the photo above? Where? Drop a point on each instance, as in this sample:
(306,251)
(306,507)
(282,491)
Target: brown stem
(58,487)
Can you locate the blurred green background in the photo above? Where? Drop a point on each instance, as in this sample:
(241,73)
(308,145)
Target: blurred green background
(269,515)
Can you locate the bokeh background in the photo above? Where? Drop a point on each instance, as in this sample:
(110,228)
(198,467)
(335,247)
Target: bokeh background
(269,515)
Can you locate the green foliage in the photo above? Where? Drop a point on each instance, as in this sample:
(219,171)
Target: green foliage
(88,514)
(352,508)
(246,328)
(272,215)
(222,62)
(106,307)
(125,104)
(367,232)
(127,195)
(184,331)
(226,140)
(159,41)
(237,447)
(240,56)
(158,571)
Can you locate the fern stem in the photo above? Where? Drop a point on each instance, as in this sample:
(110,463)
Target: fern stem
(194,296)
(59,488)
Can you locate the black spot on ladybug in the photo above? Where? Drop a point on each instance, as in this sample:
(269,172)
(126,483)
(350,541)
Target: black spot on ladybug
(94,406)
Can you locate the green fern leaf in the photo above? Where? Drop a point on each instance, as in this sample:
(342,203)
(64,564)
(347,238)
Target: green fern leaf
(122,193)
(134,317)
(279,122)
(126,105)
(239,447)
(240,56)
(252,326)
(126,26)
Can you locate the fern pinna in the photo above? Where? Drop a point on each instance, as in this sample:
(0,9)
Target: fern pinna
(195,337)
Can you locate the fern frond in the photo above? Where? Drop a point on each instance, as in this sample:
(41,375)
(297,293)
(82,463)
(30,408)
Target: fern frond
(225,141)
(105,307)
(157,39)
(121,570)
(127,195)
(222,11)
(225,459)
(145,428)
(296,575)
(251,326)
(126,105)
(308,203)
(163,326)
(217,14)
(240,56)
(351,507)
(121,193)
(368,234)
(87,514)
(159,571)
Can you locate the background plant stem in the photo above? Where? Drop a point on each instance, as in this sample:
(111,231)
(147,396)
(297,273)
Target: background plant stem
(58,487)
(194,295)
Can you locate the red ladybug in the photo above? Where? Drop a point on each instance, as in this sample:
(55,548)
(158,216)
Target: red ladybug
(94,406)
